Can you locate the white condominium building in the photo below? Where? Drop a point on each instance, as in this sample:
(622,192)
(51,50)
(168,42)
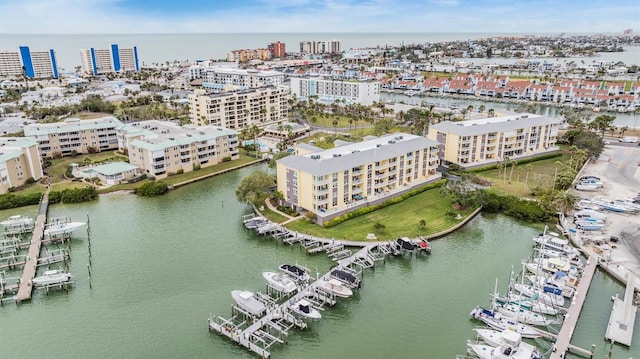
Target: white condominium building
(320,47)
(329,90)
(73,135)
(230,79)
(335,181)
(489,140)
(32,64)
(19,161)
(112,59)
(162,148)
(238,109)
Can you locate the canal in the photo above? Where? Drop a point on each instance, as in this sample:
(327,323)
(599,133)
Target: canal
(161,265)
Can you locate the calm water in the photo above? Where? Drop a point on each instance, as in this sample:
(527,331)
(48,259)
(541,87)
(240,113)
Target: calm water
(169,47)
(161,265)
(631,119)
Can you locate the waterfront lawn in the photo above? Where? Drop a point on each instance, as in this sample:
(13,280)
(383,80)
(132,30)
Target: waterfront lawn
(541,175)
(273,216)
(401,220)
(59,165)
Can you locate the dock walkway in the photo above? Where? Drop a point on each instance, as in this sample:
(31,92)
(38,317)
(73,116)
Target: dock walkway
(25,287)
(571,318)
(250,336)
(623,316)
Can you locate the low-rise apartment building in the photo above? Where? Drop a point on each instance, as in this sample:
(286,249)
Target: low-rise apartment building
(73,136)
(162,148)
(332,182)
(19,162)
(490,140)
(329,90)
(238,109)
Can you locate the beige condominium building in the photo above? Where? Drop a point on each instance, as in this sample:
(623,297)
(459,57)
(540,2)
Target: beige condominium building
(331,182)
(162,148)
(19,161)
(238,109)
(73,135)
(489,140)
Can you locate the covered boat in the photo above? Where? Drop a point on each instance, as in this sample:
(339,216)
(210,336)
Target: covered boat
(346,278)
(248,302)
(405,243)
(296,272)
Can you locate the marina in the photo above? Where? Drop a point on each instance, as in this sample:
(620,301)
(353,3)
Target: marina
(410,295)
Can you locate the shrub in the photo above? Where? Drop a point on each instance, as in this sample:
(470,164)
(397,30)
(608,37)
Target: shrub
(180,171)
(11,200)
(311,216)
(73,195)
(520,161)
(226,159)
(288,210)
(530,211)
(152,189)
(196,166)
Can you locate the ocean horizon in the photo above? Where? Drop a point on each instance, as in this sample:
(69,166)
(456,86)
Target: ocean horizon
(159,48)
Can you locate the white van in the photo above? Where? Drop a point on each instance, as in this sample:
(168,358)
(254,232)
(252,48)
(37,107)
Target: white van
(629,139)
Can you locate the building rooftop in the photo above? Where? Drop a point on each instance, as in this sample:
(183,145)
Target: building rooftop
(71,124)
(494,124)
(355,154)
(114,168)
(11,147)
(158,135)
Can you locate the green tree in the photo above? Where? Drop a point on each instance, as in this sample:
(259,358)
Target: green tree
(255,188)
(383,126)
(602,124)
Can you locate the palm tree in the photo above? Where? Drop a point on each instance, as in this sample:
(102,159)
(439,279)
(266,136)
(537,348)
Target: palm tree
(335,125)
(528,168)
(565,201)
(513,164)
(491,112)
(504,174)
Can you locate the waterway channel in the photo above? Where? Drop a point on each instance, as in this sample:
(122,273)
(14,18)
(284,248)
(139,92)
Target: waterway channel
(161,265)
(631,119)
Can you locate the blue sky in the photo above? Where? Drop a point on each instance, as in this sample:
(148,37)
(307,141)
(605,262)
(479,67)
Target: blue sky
(177,16)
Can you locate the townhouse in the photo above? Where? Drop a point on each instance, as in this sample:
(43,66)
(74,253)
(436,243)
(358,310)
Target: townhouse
(489,140)
(332,182)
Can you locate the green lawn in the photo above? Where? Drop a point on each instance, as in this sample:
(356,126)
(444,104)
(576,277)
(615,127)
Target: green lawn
(541,175)
(273,216)
(401,220)
(59,166)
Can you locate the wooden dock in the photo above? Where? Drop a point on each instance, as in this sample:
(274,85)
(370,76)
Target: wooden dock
(29,271)
(562,344)
(256,336)
(623,316)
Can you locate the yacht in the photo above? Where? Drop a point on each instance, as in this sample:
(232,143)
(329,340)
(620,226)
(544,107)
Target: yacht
(60,226)
(503,345)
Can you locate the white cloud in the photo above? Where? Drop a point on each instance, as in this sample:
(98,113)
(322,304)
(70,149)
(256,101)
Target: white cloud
(107,16)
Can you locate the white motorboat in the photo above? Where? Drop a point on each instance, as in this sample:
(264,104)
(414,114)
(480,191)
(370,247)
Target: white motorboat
(280,282)
(500,322)
(255,222)
(346,278)
(296,272)
(17,220)
(336,287)
(589,213)
(49,277)
(590,226)
(509,345)
(304,308)
(57,227)
(248,302)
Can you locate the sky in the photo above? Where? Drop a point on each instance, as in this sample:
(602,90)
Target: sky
(246,16)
